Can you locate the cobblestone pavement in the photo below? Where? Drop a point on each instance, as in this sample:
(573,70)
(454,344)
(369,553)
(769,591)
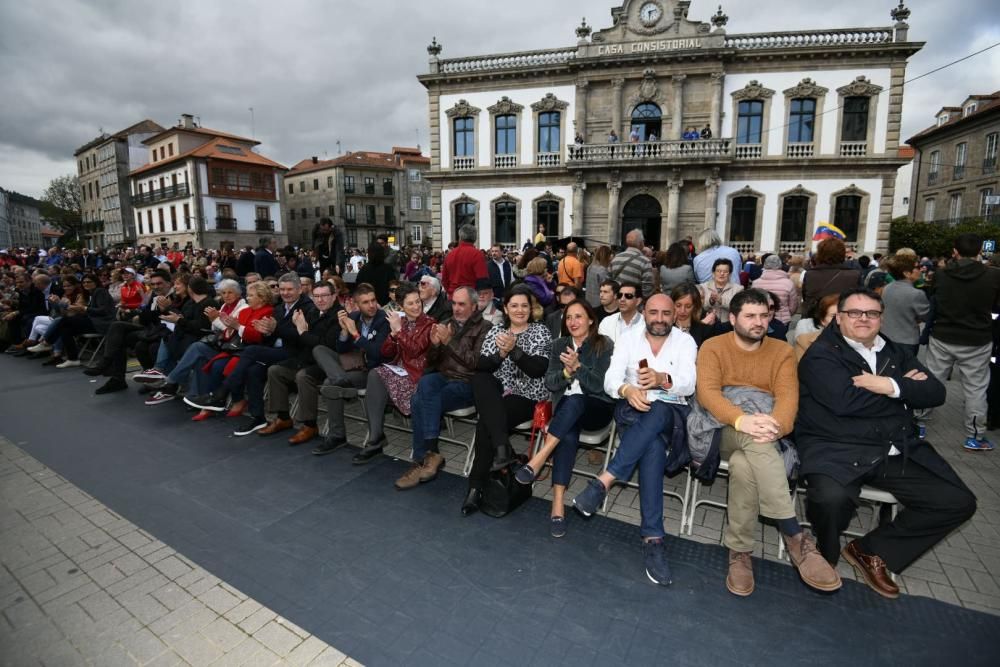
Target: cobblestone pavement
(962,570)
(79,585)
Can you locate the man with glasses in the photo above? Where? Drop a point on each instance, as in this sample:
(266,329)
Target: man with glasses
(136,333)
(435,302)
(316,327)
(856,427)
(627,318)
(747,382)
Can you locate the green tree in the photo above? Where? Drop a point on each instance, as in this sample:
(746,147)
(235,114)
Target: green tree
(61,203)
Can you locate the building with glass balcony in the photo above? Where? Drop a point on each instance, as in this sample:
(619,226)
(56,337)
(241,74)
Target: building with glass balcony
(671,125)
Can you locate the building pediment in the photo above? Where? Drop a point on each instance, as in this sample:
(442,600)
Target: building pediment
(652,26)
(860,87)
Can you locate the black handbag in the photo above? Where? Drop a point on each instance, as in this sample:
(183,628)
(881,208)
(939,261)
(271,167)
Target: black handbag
(234,344)
(502,494)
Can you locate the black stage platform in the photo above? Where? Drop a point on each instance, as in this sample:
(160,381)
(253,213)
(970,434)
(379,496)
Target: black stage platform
(395,578)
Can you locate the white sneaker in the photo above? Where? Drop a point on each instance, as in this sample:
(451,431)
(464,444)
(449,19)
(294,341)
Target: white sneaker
(150,376)
(160,397)
(69,363)
(41,347)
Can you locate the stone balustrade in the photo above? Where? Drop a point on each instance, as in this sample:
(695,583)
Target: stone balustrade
(810,38)
(507,61)
(651,150)
(853,148)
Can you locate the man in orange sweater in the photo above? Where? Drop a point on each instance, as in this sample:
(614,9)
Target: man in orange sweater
(757,482)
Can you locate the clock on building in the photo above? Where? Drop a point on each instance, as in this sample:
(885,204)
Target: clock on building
(650,13)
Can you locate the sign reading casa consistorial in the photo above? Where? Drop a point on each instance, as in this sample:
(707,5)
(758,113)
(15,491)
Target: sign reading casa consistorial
(671,124)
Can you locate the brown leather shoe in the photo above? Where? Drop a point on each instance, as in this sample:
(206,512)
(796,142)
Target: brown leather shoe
(873,569)
(411,477)
(433,462)
(812,567)
(304,434)
(276,426)
(740,578)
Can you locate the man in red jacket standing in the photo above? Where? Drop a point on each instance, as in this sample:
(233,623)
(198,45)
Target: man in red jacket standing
(465,264)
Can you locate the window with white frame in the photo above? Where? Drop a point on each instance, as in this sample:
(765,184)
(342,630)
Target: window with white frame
(414,175)
(990,155)
(955,206)
(961,153)
(416,234)
(985,205)
(929,209)
(416,203)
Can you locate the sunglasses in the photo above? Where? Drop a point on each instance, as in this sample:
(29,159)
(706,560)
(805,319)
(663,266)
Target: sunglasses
(626,295)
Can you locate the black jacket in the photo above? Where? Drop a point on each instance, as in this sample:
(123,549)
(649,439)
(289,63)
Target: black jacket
(498,281)
(441,310)
(286,330)
(330,249)
(324,329)
(245,264)
(378,276)
(843,431)
(194,324)
(265,263)
(965,295)
(101,309)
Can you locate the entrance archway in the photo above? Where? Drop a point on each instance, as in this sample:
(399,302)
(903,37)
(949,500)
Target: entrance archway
(642,212)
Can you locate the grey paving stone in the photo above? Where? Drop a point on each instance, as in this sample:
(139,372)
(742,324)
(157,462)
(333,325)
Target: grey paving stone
(143,646)
(248,653)
(172,596)
(277,638)
(144,607)
(219,600)
(194,648)
(223,633)
(306,652)
(257,620)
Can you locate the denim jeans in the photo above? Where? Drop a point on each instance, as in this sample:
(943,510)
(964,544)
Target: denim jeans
(641,445)
(573,414)
(164,361)
(193,359)
(435,396)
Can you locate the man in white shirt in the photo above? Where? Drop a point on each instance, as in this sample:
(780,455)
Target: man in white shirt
(652,370)
(357,261)
(628,318)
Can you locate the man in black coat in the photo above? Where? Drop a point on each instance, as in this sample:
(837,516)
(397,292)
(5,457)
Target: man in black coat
(856,427)
(501,275)
(329,247)
(264,261)
(318,326)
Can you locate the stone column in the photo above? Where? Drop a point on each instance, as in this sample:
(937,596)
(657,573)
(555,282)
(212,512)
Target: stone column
(581,108)
(614,223)
(715,117)
(616,108)
(674,185)
(578,190)
(712,199)
(677,117)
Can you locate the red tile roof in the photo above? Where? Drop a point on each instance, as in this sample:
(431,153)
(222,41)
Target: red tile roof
(204,131)
(990,102)
(370,159)
(220,149)
(907,152)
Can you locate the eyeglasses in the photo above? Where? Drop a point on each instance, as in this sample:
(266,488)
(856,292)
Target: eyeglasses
(626,295)
(867,314)
(393,289)
(322,296)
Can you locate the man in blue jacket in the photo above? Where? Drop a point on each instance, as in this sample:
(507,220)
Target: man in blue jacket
(856,427)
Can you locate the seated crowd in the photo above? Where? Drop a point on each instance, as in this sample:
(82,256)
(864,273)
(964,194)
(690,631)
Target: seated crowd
(684,386)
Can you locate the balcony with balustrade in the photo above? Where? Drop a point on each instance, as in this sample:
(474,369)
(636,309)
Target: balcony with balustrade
(853,148)
(504,161)
(226,224)
(796,151)
(648,153)
(165,193)
(264,225)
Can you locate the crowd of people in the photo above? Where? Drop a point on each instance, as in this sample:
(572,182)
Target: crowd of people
(792,372)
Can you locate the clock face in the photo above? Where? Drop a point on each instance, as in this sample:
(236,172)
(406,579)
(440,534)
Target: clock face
(650,13)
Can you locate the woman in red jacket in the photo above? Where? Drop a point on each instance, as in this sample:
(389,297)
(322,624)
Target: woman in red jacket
(240,328)
(407,345)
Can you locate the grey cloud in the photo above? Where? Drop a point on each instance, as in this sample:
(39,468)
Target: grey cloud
(316,72)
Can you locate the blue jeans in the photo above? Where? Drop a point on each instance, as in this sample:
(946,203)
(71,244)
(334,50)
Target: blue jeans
(573,414)
(163,359)
(641,445)
(250,375)
(193,359)
(435,396)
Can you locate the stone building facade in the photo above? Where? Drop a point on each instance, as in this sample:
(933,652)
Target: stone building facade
(804,128)
(955,173)
(103,165)
(206,188)
(365,192)
(20,221)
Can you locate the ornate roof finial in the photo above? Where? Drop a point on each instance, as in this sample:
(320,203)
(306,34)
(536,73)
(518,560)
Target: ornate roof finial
(434,48)
(900,13)
(583,31)
(719,20)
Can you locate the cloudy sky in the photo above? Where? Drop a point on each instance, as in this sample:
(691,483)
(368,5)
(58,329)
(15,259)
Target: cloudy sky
(319,71)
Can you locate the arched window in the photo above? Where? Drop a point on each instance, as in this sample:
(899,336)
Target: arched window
(801,120)
(750,121)
(465,214)
(547,213)
(647,119)
(505,222)
(794,218)
(548,132)
(506,135)
(744,222)
(847,216)
(465,136)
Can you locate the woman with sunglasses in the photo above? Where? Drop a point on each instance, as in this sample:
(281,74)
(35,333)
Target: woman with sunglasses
(509,383)
(392,306)
(578,362)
